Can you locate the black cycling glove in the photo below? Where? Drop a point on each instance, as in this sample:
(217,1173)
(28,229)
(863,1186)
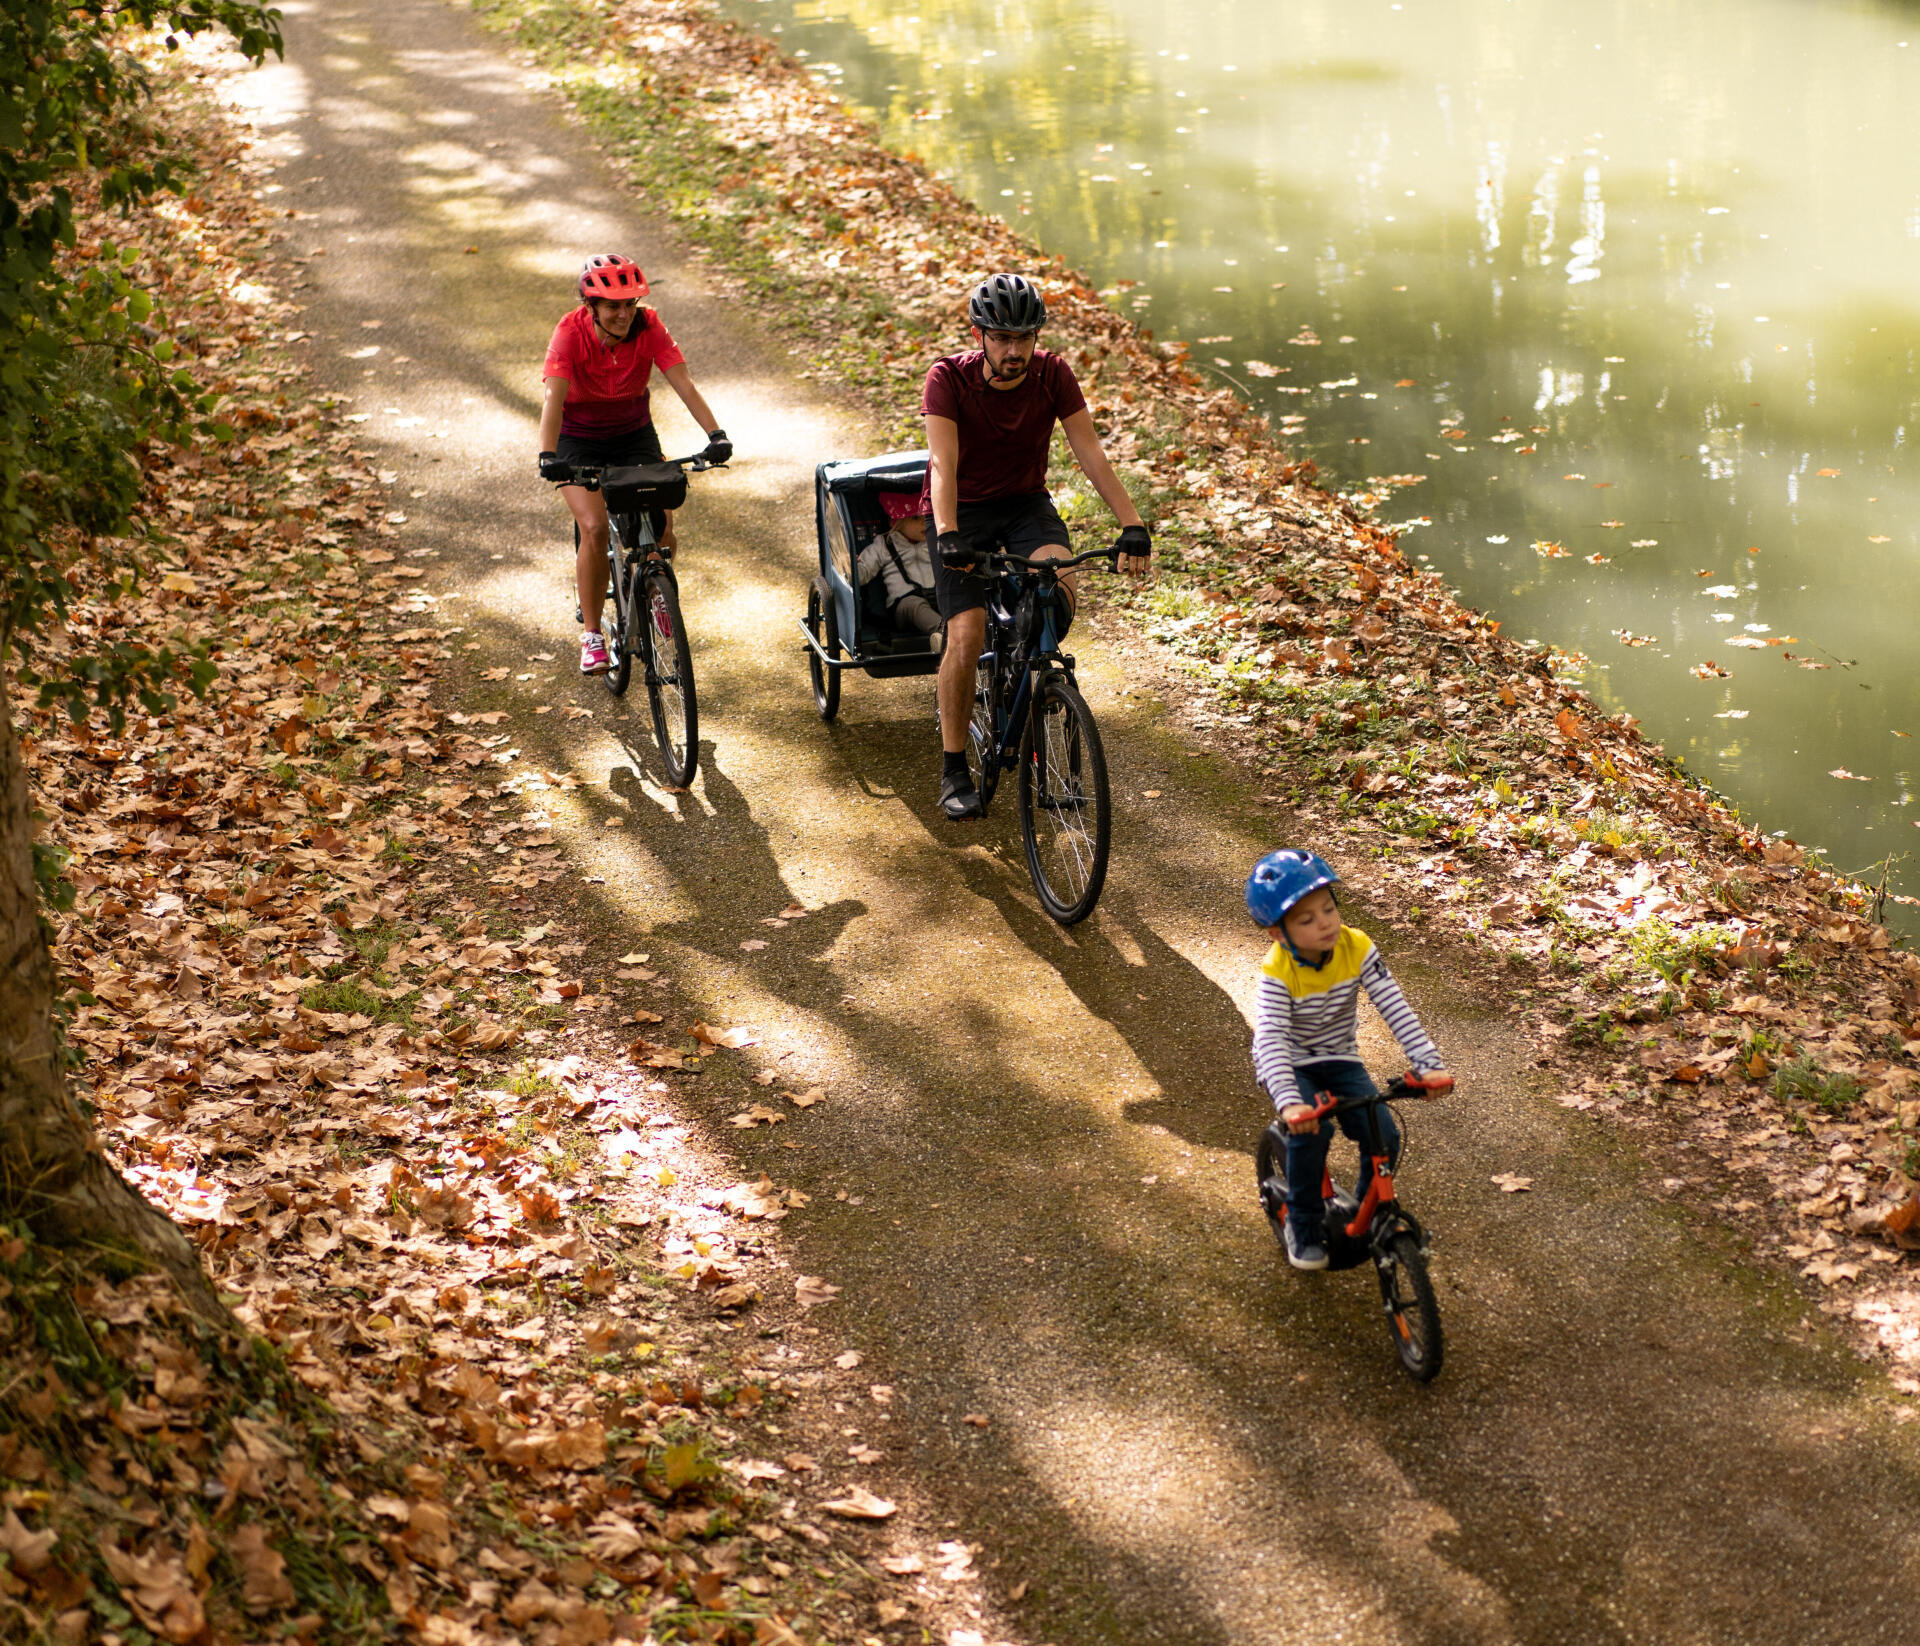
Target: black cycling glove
(955,554)
(1134,540)
(719,447)
(551,468)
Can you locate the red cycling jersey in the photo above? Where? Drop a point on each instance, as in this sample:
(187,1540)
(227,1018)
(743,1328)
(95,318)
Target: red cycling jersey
(607,390)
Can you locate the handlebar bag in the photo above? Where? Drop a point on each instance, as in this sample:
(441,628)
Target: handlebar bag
(644,486)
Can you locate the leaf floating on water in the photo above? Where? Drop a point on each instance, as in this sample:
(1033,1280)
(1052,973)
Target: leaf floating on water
(1879,539)
(1612,525)
(1646,543)
(1710,670)
(1829,474)
(1549,551)
(1847,776)
(1599,560)
(1260,368)
(1732,714)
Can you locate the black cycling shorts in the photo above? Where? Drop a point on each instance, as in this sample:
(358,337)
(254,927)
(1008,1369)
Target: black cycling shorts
(1024,524)
(641,445)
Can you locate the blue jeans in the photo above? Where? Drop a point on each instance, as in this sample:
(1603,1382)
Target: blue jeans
(1307,1152)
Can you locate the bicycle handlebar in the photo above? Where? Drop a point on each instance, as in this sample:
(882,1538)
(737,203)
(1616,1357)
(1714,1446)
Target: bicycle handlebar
(588,475)
(1410,1084)
(996,558)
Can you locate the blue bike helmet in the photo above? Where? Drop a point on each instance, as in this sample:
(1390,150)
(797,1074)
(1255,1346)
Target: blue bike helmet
(1280,879)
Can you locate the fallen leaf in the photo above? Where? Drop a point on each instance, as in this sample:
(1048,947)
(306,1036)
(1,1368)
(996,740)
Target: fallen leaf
(758,1115)
(903,1565)
(859,1504)
(1512,1183)
(807,1099)
(731,1039)
(810,1291)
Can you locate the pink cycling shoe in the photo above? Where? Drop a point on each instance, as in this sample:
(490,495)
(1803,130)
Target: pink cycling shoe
(593,653)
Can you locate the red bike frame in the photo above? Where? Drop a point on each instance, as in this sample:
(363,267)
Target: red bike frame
(1380,1190)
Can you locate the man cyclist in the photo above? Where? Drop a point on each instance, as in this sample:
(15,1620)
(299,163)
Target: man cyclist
(990,415)
(598,410)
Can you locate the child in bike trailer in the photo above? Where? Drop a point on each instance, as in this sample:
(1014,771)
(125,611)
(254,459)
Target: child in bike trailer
(1306,1032)
(902,561)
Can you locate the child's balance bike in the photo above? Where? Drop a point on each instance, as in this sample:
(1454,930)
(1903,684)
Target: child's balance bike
(1377,1228)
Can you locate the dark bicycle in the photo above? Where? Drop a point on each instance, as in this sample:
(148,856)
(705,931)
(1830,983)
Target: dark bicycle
(645,595)
(1376,1228)
(1028,715)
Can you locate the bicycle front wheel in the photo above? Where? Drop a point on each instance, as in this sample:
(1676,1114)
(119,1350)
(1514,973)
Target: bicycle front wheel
(1413,1317)
(1064,815)
(676,719)
(983,734)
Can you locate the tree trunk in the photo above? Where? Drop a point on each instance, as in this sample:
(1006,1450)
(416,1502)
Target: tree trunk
(52,1171)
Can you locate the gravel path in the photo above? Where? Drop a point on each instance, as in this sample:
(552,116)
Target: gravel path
(1043,1137)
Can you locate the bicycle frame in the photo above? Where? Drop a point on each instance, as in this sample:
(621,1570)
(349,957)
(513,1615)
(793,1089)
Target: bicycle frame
(1043,651)
(1380,1196)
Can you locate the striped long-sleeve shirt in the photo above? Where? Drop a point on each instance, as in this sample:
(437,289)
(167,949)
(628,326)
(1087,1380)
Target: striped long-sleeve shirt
(1310,1014)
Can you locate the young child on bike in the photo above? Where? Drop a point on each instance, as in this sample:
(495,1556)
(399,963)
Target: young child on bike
(903,563)
(1306,1032)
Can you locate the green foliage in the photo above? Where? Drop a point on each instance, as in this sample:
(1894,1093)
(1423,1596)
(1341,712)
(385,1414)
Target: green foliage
(1675,954)
(84,359)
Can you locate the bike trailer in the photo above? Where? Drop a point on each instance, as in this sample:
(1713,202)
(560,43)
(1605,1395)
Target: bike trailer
(848,624)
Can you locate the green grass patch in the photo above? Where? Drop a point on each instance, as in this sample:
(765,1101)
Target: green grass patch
(1805,1080)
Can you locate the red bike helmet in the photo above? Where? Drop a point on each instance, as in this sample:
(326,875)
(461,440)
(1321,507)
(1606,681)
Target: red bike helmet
(612,276)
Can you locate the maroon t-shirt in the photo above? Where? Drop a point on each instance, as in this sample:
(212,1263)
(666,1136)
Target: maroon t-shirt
(1004,433)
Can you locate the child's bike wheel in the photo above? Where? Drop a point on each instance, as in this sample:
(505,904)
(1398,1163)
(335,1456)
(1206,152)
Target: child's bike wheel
(1270,1172)
(1413,1317)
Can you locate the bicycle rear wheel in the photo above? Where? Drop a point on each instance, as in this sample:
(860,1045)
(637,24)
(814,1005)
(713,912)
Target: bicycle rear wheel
(620,632)
(1413,1316)
(676,720)
(1064,815)
(983,734)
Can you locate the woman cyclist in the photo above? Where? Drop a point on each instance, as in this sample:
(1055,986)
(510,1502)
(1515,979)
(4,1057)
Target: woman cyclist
(598,411)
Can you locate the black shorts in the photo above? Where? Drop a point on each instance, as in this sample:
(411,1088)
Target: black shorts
(641,445)
(1023,524)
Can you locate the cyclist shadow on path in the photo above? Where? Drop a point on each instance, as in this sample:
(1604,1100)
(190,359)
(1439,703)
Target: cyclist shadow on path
(1187,1032)
(724,863)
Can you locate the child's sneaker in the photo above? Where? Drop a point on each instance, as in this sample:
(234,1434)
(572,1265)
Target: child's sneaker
(1306,1247)
(593,653)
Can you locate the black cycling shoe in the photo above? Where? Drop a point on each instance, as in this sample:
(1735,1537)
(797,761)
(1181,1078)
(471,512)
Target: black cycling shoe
(959,799)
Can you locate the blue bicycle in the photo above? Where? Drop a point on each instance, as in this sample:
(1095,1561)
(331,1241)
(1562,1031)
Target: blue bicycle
(1028,715)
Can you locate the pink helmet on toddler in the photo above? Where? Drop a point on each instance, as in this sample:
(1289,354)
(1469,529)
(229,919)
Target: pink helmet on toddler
(612,276)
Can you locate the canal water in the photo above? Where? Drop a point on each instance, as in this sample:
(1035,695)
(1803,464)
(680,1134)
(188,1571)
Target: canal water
(1616,304)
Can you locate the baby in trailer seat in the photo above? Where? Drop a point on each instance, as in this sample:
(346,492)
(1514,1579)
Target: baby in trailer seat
(903,564)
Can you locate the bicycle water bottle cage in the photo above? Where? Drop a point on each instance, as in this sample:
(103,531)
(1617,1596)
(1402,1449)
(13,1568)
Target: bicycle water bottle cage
(644,486)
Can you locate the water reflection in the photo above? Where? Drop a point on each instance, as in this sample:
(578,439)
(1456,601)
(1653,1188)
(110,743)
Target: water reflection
(1612,303)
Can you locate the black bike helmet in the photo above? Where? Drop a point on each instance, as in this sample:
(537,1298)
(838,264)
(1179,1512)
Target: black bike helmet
(1007,302)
